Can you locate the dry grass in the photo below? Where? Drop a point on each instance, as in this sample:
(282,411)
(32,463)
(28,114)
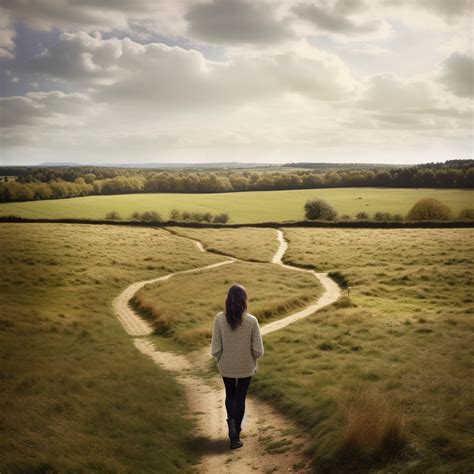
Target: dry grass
(371,426)
(248,243)
(405,335)
(184,307)
(75,394)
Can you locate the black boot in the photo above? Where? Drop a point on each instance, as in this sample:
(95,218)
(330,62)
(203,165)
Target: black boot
(234,439)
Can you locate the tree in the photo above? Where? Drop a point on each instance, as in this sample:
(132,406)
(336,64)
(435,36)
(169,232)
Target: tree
(319,209)
(113,216)
(429,209)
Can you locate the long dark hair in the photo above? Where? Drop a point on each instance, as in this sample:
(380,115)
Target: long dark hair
(235,305)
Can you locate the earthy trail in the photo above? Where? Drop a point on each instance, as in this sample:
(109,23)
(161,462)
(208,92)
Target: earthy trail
(261,424)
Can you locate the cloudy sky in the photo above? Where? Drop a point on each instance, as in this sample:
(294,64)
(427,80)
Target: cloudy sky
(96,81)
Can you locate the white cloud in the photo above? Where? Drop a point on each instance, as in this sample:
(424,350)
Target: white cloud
(158,75)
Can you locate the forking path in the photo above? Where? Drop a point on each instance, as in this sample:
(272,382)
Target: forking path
(205,396)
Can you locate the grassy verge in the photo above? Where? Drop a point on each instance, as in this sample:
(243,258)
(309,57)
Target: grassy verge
(75,394)
(383,379)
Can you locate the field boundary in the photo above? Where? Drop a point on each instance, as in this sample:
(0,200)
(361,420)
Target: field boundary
(356,224)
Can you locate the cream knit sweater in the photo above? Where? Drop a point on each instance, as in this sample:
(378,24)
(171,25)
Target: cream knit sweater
(236,350)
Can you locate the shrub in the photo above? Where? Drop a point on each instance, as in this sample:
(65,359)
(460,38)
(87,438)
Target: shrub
(467,214)
(207,216)
(151,216)
(175,215)
(362,215)
(221,218)
(113,216)
(319,209)
(186,215)
(430,209)
(136,216)
(345,217)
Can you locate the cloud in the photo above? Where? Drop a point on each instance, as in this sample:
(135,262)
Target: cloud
(388,100)
(448,9)
(99,15)
(157,75)
(237,21)
(339,19)
(457,74)
(7,35)
(43,108)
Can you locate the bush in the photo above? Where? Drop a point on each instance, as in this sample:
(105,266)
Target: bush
(430,209)
(466,214)
(148,216)
(345,217)
(113,216)
(151,216)
(319,209)
(175,215)
(221,218)
(362,215)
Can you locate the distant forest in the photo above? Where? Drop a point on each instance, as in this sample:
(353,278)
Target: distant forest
(35,183)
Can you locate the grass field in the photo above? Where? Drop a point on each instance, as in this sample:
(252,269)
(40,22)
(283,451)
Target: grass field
(184,307)
(75,394)
(243,207)
(248,243)
(383,379)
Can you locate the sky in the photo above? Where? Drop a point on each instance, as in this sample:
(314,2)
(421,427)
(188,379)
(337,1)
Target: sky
(271,81)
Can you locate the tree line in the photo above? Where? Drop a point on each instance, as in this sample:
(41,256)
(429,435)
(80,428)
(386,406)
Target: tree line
(57,183)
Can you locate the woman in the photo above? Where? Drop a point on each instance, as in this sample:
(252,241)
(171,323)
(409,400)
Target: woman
(236,345)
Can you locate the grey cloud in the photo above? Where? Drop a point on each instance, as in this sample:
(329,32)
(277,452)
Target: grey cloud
(66,14)
(334,20)
(445,8)
(237,21)
(457,74)
(39,106)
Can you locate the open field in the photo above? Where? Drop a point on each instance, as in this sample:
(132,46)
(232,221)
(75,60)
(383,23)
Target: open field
(387,382)
(248,243)
(243,207)
(184,307)
(76,396)
(381,380)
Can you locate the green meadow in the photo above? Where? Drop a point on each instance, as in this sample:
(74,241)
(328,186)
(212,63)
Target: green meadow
(243,207)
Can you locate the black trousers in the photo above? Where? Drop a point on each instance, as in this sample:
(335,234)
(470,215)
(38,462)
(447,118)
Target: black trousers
(235,393)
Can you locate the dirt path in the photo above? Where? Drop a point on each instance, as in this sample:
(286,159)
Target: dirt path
(262,425)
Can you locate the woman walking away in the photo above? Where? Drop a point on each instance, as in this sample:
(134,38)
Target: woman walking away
(236,345)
